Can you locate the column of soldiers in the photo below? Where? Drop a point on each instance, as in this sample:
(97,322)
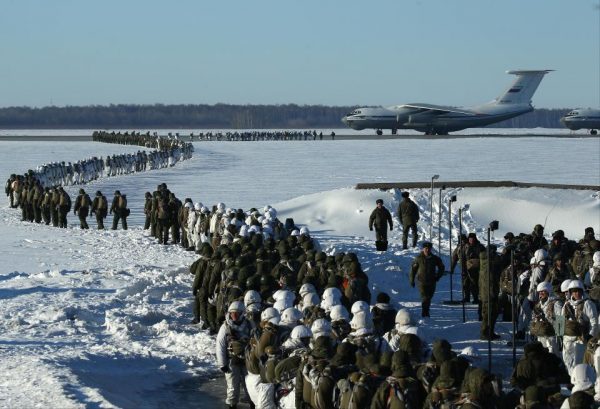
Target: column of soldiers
(295,328)
(85,171)
(259,136)
(51,205)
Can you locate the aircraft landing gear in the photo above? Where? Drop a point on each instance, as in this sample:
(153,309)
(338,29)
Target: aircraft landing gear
(593,132)
(379,132)
(394,131)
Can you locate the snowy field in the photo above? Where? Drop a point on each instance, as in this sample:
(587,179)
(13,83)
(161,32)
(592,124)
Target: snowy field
(101,319)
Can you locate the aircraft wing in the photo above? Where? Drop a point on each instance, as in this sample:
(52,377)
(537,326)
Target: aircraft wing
(437,109)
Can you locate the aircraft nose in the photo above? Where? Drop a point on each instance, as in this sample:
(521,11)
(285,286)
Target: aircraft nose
(345,120)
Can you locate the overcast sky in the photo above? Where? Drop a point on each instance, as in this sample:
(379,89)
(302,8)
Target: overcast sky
(328,52)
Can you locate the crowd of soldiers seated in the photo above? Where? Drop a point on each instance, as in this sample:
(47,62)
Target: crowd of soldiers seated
(295,329)
(146,139)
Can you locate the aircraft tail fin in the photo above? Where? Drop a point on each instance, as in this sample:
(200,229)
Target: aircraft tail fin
(523,88)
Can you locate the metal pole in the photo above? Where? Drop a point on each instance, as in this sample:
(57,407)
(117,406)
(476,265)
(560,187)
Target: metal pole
(513,300)
(440,222)
(431,211)
(489,302)
(462,264)
(450,245)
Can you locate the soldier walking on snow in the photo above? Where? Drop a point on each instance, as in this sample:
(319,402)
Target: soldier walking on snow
(408,213)
(424,270)
(82,208)
(100,208)
(120,210)
(380,218)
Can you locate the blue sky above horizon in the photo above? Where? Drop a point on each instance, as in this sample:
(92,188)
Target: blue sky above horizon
(454,52)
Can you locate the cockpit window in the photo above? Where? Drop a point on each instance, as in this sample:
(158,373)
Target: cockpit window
(572,113)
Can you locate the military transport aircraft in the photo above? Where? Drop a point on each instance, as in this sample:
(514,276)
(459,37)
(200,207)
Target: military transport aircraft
(582,119)
(436,119)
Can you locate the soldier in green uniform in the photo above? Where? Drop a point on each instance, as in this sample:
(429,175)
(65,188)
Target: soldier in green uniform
(408,213)
(424,269)
(380,218)
(64,206)
(120,210)
(100,208)
(82,208)
(148,210)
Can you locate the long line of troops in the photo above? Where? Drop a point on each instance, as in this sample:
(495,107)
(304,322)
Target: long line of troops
(137,137)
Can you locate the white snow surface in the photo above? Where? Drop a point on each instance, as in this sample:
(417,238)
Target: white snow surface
(101,319)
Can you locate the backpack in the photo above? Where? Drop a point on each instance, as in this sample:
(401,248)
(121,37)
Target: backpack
(102,204)
(163,208)
(357,391)
(443,399)
(398,394)
(318,374)
(84,201)
(65,200)
(122,202)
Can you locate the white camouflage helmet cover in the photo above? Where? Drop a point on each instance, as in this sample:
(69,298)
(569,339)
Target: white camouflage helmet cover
(291,315)
(307,288)
(295,232)
(301,331)
(361,320)
(282,305)
(310,299)
(197,207)
(271,315)
(564,287)
(321,327)
(575,284)
(332,292)
(359,306)
(544,286)
(283,294)
(304,230)
(220,207)
(339,312)
(252,297)
(403,317)
(328,303)
(540,255)
(596,259)
(236,306)
(188,205)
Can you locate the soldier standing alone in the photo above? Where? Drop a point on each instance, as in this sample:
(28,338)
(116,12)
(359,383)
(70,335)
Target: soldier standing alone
(424,269)
(380,218)
(408,213)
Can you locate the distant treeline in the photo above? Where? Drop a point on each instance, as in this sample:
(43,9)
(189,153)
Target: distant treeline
(222,116)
